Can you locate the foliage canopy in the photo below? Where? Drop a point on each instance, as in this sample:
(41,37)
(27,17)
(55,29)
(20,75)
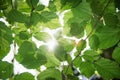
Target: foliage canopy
(93,23)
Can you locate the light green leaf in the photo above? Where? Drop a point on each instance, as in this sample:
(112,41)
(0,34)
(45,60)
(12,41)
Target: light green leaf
(108,37)
(6,70)
(87,68)
(5,39)
(81,45)
(42,36)
(60,53)
(29,56)
(24,76)
(51,59)
(67,44)
(116,54)
(71,77)
(16,16)
(90,55)
(50,74)
(107,69)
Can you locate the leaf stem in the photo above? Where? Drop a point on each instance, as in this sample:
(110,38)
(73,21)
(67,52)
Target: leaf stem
(98,19)
(94,27)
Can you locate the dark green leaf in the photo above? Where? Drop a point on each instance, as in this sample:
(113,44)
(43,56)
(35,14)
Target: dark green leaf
(3,4)
(107,69)
(24,35)
(17,16)
(50,74)
(6,70)
(24,76)
(76,30)
(32,4)
(29,56)
(71,77)
(67,4)
(116,54)
(40,7)
(94,42)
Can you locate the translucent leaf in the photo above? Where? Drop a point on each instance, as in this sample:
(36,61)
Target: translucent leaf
(107,69)
(51,59)
(42,36)
(116,54)
(23,6)
(94,42)
(5,40)
(108,37)
(29,56)
(60,53)
(24,76)
(17,16)
(87,68)
(6,70)
(50,74)
(67,44)
(81,45)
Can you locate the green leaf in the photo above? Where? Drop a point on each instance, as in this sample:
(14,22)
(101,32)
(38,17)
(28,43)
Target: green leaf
(108,37)
(24,76)
(81,45)
(107,69)
(67,4)
(71,77)
(60,53)
(32,4)
(24,35)
(94,42)
(3,4)
(87,68)
(29,56)
(111,20)
(67,44)
(82,11)
(51,59)
(6,70)
(117,4)
(98,6)
(16,16)
(90,55)
(42,36)
(40,7)
(5,39)
(76,30)
(50,74)
(116,54)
